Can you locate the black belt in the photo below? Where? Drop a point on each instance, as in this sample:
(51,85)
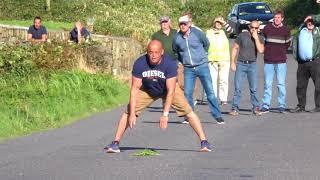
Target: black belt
(246,62)
(308,60)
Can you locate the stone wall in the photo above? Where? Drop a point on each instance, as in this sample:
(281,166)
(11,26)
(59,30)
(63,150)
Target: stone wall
(115,55)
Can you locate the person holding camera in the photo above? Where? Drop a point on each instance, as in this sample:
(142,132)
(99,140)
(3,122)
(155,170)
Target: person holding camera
(307,52)
(219,57)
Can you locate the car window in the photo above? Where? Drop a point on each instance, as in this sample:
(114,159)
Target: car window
(234,11)
(254,9)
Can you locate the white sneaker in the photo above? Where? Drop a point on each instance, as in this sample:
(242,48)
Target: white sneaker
(195,102)
(185,121)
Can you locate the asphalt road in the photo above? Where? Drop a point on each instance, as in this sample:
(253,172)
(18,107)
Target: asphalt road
(273,146)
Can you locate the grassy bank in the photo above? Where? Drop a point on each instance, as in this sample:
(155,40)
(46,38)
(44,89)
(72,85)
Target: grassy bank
(139,18)
(48,24)
(49,100)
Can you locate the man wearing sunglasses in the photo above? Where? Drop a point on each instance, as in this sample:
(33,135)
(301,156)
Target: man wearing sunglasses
(245,49)
(191,46)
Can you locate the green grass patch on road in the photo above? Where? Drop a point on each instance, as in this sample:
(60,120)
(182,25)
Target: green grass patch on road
(45,100)
(147,152)
(48,24)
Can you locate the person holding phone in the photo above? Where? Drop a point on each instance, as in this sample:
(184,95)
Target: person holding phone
(243,62)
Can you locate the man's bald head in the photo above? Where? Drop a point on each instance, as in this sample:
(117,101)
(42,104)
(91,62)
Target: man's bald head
(155,43)
(155,52)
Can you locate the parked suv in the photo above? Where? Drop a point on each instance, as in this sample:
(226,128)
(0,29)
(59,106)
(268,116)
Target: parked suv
(243,13)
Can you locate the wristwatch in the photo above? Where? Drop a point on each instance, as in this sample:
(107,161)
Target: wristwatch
(166,114)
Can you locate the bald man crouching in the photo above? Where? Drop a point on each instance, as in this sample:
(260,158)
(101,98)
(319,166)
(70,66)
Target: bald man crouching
(154,76)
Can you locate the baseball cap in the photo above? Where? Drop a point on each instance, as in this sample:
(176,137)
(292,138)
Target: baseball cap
(164,19)
(310,21)
(184,19)
(219,19)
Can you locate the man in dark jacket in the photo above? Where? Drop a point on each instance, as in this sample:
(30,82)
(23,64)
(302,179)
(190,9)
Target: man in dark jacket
(307,53)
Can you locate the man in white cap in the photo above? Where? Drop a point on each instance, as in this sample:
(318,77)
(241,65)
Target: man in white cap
(191,47)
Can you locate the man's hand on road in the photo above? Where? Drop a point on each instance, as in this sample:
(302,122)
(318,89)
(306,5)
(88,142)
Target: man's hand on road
(163,122)
(132,120)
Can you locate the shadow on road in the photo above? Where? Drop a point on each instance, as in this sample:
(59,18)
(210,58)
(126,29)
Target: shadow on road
(177,122)
(160,110)
(155,149)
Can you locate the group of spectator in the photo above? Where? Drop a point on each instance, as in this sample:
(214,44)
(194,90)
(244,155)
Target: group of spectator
(38,33)
(201,54)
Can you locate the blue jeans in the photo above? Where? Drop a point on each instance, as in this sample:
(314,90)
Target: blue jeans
(269,71)
(201,71)
(249,70)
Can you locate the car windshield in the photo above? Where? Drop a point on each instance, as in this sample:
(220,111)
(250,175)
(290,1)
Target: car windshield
(254,9)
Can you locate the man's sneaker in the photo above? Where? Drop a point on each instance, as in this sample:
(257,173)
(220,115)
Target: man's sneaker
(113,147)
(257,111)
(282,110)
(205,146)
(195,103)
(234,112)
(315,110)
(298,109)
(220,120)
(185,121)
(224,103)
(264,110)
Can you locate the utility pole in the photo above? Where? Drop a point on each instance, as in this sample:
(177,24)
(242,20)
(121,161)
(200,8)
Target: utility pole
(48,8)
(184,2)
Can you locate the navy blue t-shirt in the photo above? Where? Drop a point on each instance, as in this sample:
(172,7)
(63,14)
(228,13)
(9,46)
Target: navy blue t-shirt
(37,33)
(154,76)
(74,34)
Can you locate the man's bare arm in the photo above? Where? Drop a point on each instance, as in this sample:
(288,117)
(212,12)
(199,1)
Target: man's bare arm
(79,37)
(171,86)
(259,45)
(135,86)
(234,54)
(43,38)
(29,37)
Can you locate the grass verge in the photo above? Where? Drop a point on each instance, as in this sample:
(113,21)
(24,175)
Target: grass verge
(49,100)
(48,24)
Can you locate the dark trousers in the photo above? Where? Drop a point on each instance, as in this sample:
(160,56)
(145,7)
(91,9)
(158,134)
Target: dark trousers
(304,72)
